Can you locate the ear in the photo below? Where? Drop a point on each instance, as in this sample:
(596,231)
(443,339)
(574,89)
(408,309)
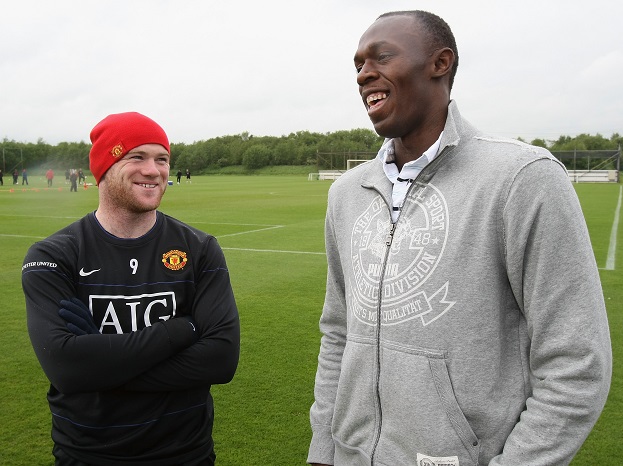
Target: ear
(443,62)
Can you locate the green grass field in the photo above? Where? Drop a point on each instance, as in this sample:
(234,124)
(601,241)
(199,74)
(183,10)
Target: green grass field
(271,229)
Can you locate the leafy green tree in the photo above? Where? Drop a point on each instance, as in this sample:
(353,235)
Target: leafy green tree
(12,156)
(584,142)
(327,150)
(285,152)
(256,156)
(176,150)
(69,155)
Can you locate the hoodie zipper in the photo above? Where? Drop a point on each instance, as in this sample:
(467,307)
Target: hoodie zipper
(388,242)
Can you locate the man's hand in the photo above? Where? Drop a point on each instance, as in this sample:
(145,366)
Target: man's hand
(78,317)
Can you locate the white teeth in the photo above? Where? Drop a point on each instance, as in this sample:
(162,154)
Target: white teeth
(374,97)
(148,185)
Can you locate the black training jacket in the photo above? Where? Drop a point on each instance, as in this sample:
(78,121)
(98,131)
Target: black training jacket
(139,393)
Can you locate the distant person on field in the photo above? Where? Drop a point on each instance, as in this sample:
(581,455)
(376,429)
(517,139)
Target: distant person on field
(464,321)
(73,179)
(1,178)
(188,176)
(131,314)
(81,177)
(49,175)
(24,177)
(67,174)
(179,176)
(15,176)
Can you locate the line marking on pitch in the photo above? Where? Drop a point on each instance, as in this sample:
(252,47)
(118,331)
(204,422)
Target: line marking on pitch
(39,216)
(613,234)
(275,250)
(250,231)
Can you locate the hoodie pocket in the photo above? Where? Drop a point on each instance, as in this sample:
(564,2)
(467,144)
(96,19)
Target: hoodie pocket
(420,412)
(354,419)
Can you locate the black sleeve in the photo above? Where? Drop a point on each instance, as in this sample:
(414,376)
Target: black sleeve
(90,362)
(213,359)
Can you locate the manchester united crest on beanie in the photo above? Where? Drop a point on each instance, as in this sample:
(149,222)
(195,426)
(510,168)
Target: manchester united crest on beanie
(118,134)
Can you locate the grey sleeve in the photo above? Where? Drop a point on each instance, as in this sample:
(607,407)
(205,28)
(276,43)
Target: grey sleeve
(333,341)
(554,276)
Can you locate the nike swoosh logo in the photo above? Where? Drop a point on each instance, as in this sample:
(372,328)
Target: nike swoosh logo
(86,274)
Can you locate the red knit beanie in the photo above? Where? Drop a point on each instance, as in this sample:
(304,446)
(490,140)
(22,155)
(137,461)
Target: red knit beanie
(118,134)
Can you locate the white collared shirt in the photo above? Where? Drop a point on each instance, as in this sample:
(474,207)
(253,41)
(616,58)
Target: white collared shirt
(410,170)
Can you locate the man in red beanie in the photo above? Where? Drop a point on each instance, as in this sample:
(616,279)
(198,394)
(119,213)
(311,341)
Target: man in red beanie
(131,315)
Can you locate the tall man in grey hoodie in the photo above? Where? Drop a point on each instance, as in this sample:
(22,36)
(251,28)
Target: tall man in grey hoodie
(464,322)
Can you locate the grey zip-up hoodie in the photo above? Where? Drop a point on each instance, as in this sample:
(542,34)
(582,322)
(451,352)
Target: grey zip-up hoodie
(472,331)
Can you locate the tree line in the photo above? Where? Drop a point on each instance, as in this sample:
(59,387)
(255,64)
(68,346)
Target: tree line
(253,152)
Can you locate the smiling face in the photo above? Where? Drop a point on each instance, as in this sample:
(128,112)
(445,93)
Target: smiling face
(400,78)
(137,182)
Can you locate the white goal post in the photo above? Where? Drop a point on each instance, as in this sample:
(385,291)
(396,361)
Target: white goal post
(351,163)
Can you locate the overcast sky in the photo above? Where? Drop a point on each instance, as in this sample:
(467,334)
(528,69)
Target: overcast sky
(205,68)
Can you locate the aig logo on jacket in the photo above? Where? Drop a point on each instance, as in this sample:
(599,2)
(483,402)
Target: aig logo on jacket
(125,314)
(415,248)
